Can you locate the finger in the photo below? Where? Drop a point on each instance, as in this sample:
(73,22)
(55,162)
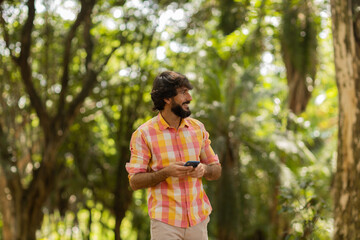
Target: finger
(200,166)
(179,163)
(194,174)
(197,173)
(187,168)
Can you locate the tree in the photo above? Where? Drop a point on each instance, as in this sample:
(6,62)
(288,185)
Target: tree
(232,53)
(27,200)
(233,95)
(300,27)
(346,38)
(121,106)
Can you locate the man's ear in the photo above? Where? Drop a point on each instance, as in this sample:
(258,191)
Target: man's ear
(167,100)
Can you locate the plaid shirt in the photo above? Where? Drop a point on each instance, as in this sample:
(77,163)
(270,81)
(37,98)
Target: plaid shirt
(180,202)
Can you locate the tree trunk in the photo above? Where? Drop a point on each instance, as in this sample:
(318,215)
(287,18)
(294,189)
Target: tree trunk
(22,207)
(298,48)
(274,205)
(26,205)
(230,196)
(299,95)
(6,208)
(123,195)
(346,36)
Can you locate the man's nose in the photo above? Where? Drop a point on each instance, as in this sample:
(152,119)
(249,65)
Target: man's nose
(189,98)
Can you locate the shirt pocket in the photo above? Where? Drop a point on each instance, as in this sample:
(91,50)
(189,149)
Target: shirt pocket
(193,145)
(162,157)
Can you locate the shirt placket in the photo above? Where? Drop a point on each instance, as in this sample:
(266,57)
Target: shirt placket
(183,182)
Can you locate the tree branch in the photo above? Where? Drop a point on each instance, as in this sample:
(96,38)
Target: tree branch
(26,32)
(84,14)
(90,81)
(25,68)
(107,58)
(89,45)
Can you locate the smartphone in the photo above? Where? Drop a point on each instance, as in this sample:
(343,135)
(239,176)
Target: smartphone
(192,163)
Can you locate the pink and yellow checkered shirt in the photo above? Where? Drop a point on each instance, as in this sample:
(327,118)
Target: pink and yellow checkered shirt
(180,202)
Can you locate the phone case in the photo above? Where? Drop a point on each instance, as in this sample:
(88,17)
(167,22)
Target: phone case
(192,163)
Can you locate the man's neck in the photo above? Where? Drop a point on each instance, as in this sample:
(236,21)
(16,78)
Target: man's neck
(171,119)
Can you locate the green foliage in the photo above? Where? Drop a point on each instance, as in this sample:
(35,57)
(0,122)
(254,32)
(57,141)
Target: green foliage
(140,219)
(1,226)
(233,14)
(277,166)
(307,209)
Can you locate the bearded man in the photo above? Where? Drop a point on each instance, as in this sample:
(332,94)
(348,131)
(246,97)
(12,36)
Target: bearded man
(177,203)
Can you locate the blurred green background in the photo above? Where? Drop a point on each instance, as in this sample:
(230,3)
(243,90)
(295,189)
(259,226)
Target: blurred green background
(264,86)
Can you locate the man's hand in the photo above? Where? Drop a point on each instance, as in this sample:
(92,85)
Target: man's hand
(150,179)
(178,169)
(198,172)
(210,172)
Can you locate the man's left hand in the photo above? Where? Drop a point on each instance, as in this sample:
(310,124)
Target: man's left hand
(198,172)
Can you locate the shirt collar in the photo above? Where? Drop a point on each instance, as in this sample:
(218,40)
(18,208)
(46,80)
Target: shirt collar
(164,125)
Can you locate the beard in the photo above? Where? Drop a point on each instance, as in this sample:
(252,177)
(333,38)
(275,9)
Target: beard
(179,111)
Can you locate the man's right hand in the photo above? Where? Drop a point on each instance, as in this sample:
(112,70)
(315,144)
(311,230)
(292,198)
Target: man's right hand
(178,169)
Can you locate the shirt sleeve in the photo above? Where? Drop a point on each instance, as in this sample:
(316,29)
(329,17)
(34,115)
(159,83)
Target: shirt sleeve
(207,154)
(140,154)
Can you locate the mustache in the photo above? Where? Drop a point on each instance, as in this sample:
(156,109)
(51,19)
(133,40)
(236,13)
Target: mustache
(188,102)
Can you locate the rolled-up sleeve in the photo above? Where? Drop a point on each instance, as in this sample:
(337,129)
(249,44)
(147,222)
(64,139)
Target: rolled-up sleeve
(207,154)
(140,154)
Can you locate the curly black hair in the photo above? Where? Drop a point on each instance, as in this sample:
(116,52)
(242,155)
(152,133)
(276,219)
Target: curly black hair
(165,85)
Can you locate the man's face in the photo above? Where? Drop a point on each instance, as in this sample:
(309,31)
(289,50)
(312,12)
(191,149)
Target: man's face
(180,103)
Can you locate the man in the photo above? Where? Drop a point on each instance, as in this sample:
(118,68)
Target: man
(177,203)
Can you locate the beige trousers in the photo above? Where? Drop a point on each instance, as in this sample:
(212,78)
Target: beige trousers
(163,231)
